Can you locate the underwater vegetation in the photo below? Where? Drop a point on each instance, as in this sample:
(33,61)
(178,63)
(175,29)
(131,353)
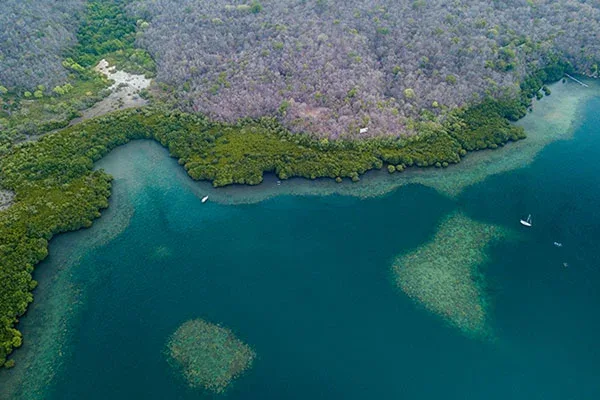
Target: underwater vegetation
(208,355)
(444,274)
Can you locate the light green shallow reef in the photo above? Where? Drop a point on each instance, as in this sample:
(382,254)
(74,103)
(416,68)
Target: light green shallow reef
(208,355)
(444,274)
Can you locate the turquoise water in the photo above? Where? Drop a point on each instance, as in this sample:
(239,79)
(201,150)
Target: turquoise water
(307,282)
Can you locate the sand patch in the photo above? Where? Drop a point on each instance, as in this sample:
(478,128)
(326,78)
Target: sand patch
(7,198)
(125,92)
(161,252)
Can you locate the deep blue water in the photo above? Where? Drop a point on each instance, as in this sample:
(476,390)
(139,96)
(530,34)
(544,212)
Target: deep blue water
(306,281)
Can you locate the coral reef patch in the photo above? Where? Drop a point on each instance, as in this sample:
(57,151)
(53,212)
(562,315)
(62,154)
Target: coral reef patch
(444,274)
(208,355)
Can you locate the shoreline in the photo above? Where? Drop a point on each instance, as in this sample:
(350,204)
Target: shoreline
(47,324)
(375,183)
(553,118)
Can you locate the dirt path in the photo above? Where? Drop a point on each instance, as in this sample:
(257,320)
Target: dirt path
(124,92)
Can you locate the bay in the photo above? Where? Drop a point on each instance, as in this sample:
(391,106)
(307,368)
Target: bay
(301,271)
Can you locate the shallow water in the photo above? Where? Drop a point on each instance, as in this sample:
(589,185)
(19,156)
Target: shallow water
(307,280)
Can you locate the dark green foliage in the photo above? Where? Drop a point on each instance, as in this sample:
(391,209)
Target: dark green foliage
(546,90)
(105,29)
(255,7)
(506,60)
(486,125)
(135,61)
(108,32)
(554,71)
(43,208)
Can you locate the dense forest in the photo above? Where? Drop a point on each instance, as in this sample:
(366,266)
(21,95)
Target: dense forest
(326,67)
(332,67)
(33,38)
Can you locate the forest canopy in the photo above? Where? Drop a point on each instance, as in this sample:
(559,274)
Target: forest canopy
(33,37)
(332,67)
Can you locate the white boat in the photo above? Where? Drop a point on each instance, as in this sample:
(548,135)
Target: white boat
(204,199)
(558,244)
(526,222)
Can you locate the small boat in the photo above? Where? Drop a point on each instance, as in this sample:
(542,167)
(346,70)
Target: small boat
(565,264)
(526,222)
(204,199)
(558,244)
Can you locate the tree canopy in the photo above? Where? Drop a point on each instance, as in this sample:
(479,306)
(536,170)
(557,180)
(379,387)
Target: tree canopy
(341,65)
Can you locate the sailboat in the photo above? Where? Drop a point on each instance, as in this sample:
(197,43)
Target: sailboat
(526,222)
(204,199)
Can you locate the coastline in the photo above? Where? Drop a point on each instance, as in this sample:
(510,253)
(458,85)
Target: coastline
(48,323)
(116,217)
(553,118)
